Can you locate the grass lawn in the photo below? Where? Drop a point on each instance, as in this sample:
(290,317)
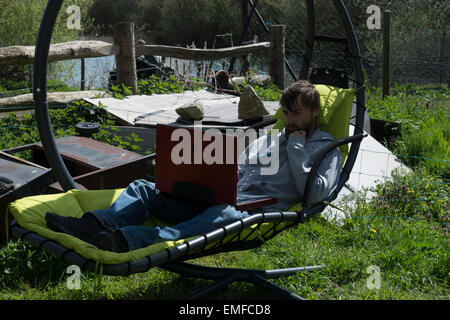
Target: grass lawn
(412,257)
(403,233)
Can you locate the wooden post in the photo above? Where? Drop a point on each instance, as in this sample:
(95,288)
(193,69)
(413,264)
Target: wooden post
(277,54)
(126,60)
(83,74)
(386,51)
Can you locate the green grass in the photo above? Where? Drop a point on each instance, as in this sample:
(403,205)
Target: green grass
(424,116)
(403,231)
(411,256)
(13,88)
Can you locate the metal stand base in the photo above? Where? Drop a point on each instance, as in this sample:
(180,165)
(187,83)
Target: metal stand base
(224,276)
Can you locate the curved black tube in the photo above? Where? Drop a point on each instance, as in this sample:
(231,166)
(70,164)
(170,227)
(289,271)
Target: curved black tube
(322,154)
(361,90)
(40,95)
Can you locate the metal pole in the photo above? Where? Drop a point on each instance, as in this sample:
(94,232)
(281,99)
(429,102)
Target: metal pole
(244,13)
(441,73)
(311,34)
(244,33)
(386,51)
(83,74)
(30,77)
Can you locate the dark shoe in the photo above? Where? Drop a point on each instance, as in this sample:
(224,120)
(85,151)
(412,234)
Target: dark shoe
(83,228)
(110,241)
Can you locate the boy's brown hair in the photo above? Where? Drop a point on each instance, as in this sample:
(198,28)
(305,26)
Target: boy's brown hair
(308,94)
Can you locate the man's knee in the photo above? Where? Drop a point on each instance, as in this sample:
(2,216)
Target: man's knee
(142,183)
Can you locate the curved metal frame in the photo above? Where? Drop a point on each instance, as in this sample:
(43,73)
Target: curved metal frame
(360,96)
(166,258)
(40,86)
(40,95)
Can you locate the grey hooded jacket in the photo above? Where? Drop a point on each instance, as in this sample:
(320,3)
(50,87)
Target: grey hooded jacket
(278,167)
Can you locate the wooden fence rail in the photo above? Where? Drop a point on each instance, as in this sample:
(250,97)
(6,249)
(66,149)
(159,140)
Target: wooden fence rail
(62,51)
(201,54)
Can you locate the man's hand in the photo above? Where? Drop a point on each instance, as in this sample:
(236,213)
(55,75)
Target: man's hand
(300,133)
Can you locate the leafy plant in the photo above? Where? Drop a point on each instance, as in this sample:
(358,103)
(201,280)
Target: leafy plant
(266,91)
(156,85)
(17,132)
(415,195)
(120,91)
(20,262)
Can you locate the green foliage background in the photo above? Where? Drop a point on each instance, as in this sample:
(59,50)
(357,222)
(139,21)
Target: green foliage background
(20,21)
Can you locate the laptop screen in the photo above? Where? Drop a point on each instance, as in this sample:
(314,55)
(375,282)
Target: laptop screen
(196,164)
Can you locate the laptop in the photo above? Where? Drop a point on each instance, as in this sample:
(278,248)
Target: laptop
(199,165)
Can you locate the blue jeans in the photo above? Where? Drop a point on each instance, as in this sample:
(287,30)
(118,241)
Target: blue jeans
(141,199)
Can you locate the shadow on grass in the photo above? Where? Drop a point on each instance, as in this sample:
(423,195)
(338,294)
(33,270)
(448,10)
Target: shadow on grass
(175,287)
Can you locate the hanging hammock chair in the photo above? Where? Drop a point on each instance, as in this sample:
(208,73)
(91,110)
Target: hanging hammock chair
(342,89)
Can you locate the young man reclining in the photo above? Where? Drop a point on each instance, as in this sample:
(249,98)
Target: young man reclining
(117,227)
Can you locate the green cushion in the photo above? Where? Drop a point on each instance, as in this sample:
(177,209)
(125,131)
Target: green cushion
(330,100)
(30,213)
(334,118)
